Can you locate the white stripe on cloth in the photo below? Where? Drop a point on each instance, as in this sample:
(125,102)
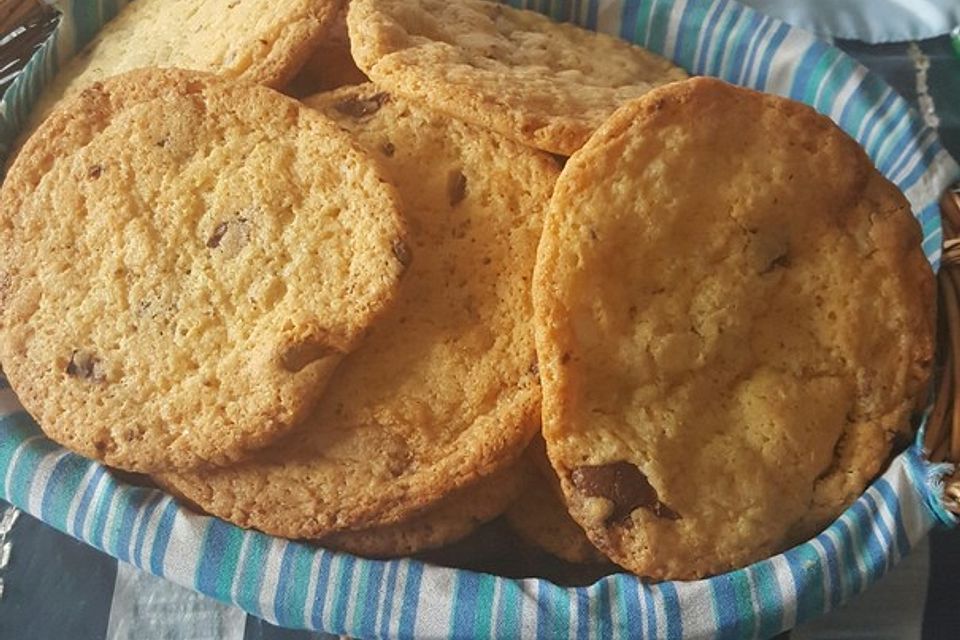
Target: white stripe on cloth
(783,67)
(437,594)
(270,579)
(40,478)
(145,606)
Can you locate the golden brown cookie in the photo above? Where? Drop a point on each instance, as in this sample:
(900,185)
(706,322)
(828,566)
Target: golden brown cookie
(330,65)
(180,267)
(545,84)
(540,517)
(452,518)
(444,390)
(734,321)
(251,40)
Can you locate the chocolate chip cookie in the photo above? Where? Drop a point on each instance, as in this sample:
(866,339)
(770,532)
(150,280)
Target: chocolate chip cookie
(452,518)
(540,82)
(182,266)
(444,390)
(735,320)
(249,40)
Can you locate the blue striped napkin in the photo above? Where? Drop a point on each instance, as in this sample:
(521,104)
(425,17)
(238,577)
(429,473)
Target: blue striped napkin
(298,585)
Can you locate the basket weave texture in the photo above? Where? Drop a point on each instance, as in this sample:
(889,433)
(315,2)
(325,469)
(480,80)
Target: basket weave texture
(942,440)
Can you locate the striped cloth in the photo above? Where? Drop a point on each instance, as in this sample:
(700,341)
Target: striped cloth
(56,583)
(301,586)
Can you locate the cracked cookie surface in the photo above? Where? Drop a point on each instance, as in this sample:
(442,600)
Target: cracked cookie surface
(546,84)
(734,321)
(181,267)
(444,389)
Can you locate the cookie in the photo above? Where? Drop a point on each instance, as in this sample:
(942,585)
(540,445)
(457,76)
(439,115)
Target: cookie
(444,390)
(180,269)
(330,65)
(734,320)
(454,517)
(260,42)
(540,517)
(545,84)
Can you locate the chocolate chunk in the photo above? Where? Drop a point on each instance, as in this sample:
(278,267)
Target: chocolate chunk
(95,172)
(388,149)
(456,187)
(357,107)
(623,484)
(402,252)
(86,366)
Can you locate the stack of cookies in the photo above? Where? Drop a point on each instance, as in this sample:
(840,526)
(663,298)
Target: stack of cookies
(481,264)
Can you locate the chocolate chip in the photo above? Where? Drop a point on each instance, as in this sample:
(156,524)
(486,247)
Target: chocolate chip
(214,241)
(768,249)
(456,187)
(357,107)
(86,366)
(237,231)
(780,262)
(388,149)
(402,252)
(94,172)
(559,159)
(623,484)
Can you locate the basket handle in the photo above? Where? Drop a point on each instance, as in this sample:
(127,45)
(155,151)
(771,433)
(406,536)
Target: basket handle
(24,26)
(942,441)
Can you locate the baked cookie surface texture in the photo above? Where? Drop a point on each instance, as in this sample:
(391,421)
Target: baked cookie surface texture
(735,321)
(183,262)
(444,390)
(546,84)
